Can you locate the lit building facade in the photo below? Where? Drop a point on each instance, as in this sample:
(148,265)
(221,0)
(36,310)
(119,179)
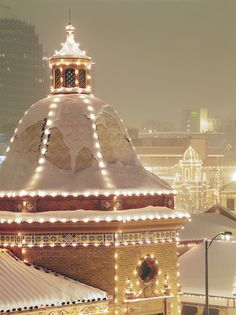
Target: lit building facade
(191,184)
(75,199)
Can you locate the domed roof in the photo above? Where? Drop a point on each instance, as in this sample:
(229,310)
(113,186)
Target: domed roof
(73,144)
(190,155)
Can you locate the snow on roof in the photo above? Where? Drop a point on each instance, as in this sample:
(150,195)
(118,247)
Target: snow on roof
(24,287)
(149,212)
(229,187)
(218,208)
(222,275)
(70,48)
(206,225)
(74,144)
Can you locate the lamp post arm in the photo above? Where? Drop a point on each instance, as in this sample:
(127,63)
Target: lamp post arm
(208,245)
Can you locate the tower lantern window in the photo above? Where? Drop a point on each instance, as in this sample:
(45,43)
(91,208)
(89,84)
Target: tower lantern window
(57,75)
(69,78)
(82,78)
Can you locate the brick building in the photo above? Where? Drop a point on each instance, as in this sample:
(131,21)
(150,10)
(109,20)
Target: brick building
(76,200)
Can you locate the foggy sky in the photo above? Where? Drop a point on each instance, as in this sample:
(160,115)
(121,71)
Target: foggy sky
(153,58)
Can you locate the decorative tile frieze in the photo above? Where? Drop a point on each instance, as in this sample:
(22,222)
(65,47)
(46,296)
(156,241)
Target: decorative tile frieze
(96,239)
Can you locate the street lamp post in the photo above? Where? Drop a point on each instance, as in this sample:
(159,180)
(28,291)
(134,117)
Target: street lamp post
(227,235)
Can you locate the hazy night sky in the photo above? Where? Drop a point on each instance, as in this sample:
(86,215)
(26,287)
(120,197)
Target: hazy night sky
(153,58)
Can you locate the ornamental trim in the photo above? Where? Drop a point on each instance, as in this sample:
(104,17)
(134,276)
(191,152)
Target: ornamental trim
(85,239)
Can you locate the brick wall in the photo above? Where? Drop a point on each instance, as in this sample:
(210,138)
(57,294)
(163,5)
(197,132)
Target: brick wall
(90,265)
(95,266)
(40,204)
(127,260)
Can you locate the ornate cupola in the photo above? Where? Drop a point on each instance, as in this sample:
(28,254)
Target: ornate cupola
(71,67)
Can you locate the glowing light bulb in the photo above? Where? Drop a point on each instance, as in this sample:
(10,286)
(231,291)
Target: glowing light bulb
(92,116)
(41,160)
(101,164)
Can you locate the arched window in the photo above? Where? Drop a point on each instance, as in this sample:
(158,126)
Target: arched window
(187,174)
(57,78)
(82,78)
(69,78)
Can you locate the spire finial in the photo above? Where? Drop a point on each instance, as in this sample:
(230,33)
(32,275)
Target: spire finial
(70,28)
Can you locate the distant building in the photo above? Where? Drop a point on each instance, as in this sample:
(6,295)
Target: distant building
(165,149)
(193,194)
(161,152)
(22,71)
(218,124)
(195,120)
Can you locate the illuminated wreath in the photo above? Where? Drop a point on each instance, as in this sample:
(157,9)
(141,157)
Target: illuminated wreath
(147,269)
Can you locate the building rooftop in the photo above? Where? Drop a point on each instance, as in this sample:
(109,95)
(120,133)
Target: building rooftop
(222,277)
(73,144)
(70,48)
(229,187)
(206,225)
(26,287)
(190,155)
(147,213)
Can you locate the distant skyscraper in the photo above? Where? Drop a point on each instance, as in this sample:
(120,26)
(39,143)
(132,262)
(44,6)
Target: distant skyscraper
(22,71)
(195,120)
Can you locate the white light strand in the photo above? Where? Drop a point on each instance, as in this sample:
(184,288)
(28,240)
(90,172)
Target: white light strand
(98,154)
(43,148)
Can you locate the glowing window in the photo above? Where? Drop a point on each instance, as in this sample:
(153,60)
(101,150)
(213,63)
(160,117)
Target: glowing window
(69,78)
(57,78)
(82,78)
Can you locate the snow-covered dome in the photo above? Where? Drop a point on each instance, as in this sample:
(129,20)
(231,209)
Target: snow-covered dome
(72,142)
(190,155)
